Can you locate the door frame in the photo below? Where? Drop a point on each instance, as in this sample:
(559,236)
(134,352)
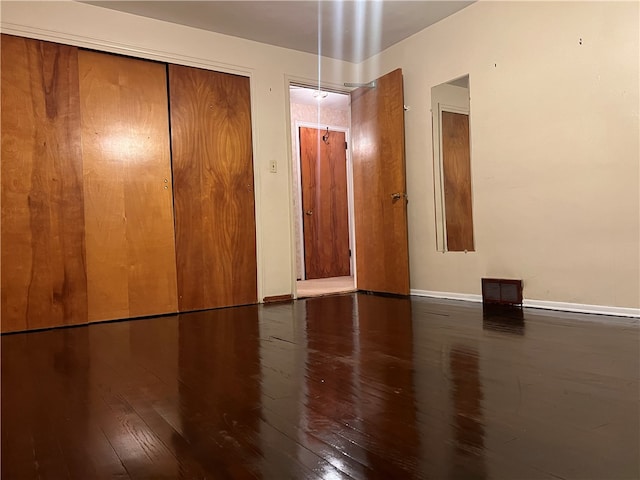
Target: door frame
(349,165)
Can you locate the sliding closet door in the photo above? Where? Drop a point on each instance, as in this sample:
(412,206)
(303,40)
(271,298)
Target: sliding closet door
(213,189)
(43,254)
(127,187)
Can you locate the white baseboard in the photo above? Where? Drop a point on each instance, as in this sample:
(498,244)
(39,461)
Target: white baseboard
(544,304)
(583,308)
(467,297)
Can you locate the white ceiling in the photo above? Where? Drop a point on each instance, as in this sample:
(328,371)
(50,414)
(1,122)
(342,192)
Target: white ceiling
(351,30)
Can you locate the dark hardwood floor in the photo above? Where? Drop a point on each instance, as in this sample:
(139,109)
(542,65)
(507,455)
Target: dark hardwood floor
(354,386)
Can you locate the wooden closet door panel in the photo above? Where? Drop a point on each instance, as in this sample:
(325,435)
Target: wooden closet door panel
(127,183)
(43,252)
(213,188)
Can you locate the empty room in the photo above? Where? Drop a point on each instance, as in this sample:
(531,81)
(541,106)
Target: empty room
(333,239)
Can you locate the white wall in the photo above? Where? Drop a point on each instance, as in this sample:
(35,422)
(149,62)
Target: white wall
(270,69)
(554,147)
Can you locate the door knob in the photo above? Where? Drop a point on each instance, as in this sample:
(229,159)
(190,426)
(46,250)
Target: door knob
(308,212)
(398,196)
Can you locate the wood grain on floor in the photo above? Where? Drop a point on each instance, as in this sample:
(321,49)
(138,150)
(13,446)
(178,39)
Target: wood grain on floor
(344,387)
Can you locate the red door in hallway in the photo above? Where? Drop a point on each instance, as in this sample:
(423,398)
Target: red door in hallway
(325,217)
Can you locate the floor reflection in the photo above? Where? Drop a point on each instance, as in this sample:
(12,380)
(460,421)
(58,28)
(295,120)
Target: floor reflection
(355,386)
(359,383)
(503,319)
(331,377)
(219,372)
(468,422)
(387,383)
(46,375)
(331,383)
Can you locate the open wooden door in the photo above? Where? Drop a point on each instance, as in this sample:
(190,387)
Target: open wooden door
(377,119)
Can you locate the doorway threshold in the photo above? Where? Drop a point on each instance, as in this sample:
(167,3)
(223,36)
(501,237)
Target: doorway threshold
(325,286)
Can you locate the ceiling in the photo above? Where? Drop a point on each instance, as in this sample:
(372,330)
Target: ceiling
(351,30)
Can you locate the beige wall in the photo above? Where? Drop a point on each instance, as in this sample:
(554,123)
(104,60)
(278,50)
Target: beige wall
(554,132)
(270,69)
(555,147)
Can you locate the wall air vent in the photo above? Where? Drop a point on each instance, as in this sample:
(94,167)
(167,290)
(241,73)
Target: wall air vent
(502,291)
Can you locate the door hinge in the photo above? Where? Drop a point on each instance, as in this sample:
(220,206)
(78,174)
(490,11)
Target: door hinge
(349,252)
(345,145)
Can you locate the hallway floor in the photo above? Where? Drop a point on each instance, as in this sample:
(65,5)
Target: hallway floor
(325,286)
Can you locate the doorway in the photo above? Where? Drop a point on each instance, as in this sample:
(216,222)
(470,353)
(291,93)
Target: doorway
(322,191)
